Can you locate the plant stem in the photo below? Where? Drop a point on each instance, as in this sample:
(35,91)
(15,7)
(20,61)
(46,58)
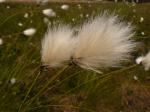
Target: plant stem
(104,77)
(29,91)
(46,85)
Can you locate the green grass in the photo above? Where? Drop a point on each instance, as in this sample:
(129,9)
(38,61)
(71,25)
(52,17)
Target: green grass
(73,89)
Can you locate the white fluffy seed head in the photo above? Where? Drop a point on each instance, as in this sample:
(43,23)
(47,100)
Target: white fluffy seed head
(65,7)
(42,2)
(12,80)
(57,46)
(29,32)
(49,12)
(8,7)
(20,24)
(141,19)
(26,15)
(139,60)
(142,33)
(1,41)
(135,77)
(146,61)
(1,1)
(103,42)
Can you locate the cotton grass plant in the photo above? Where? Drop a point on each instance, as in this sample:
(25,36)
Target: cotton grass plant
(101,42)
(22,81)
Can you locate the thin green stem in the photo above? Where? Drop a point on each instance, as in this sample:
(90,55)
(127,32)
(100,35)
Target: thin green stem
(11,16)
(46,85)
(104,76)
(29,91)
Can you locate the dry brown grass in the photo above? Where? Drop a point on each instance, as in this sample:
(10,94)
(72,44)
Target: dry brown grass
(135,97)
(70,103)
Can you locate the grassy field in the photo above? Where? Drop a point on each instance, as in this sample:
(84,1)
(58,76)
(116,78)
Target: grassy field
(73,89)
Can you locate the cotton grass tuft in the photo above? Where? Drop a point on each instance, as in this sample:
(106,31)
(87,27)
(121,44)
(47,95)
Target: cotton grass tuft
(57,46)
(65,7)
(141,19)
(146,61)
(49,12)
(12,80)
(29,32)
(139,60)
(1,41)
(1,1)
(103,42)
(26,15)
(20,24)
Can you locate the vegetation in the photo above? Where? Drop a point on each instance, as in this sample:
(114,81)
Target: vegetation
(25,87)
